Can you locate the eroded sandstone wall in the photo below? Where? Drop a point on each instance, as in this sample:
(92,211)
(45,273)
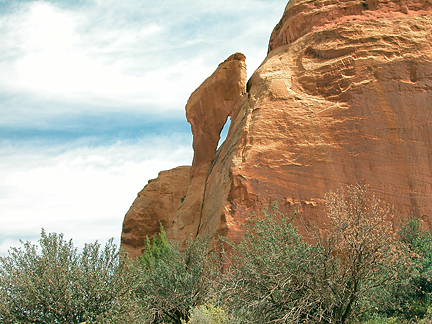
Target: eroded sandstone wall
(153,206)
(175,198)
(344,96)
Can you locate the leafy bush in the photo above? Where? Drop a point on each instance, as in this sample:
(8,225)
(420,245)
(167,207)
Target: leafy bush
(156,250)
(207,314)
(276,276)
(270,273)
(359,250)
(53,283)
(376,318)
(175,281)
(419,243)
(410,295)
(199,315)
(357,265)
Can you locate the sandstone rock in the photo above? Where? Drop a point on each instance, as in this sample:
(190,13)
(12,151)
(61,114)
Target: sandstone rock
(211,104)
(344,96)
(158,200)
(207,110)
(303,16)
(175,198)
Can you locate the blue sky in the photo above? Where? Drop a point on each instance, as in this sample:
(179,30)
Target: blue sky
(92,96)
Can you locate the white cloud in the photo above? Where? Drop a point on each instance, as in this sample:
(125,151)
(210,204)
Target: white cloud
(63,59)
(129,53)
(57,62)
(83,192)
(49,29)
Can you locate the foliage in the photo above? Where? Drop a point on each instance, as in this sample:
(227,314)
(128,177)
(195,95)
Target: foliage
(276,276)
(410,295)
(380,318)
(207,314)
(358,264)
(419,242)
(176,281)
(156,250)
(270,273)
(376,318)
(359,250)
(53,283)
(198,315)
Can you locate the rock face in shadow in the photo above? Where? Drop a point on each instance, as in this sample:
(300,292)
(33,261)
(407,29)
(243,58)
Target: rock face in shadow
(160,198)
(344,96)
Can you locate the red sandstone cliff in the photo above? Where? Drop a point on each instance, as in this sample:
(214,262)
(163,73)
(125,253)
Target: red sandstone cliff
(344,96)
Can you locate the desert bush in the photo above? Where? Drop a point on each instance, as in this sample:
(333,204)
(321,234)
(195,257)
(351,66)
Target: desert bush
(276,276)
(198,315)
(270,272)
(207,314)
(418,242)
(173,282)
(376,318)
(157,249)
(53,283)
(409,296)
(359,250)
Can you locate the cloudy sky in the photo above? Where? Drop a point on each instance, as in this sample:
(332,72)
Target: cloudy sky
(92,96)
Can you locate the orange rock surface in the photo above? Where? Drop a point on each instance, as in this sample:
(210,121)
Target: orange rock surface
(175,197)
(159,198)
(344,96)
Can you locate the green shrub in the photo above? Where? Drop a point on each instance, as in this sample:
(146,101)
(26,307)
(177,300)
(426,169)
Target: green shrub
(382,319)
(174,281)
(156,250)
(409,296)
(269,275)
(53,283)
(199,315)
(419,243)
(276,276)
(207,314)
